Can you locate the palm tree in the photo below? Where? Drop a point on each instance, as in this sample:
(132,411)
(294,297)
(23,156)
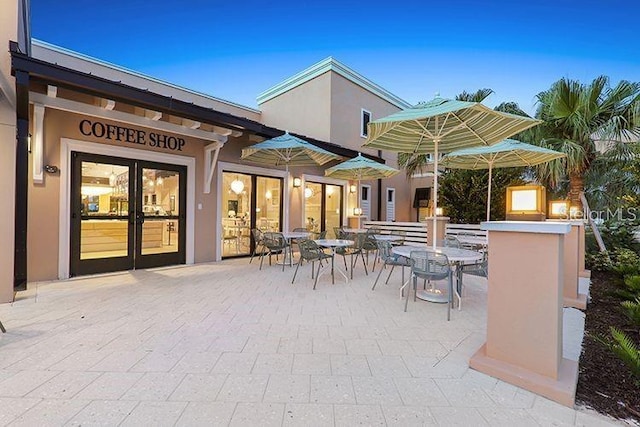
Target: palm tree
(574,116)
(414,163)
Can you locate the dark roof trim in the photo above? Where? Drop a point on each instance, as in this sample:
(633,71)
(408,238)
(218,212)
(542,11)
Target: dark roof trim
(58,75)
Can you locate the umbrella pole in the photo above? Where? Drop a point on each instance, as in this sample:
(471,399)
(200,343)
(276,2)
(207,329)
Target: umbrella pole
(285,202)
(435,194)
(489,193)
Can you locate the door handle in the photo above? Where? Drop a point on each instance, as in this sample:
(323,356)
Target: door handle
(140,217)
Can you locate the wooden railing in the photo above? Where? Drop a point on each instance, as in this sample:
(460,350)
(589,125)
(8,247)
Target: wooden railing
(455,229)
(416,231)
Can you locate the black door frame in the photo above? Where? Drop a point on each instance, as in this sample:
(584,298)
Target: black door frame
(135,218)
(323,203)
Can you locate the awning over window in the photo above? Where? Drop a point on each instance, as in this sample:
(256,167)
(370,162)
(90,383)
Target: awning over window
(422,197)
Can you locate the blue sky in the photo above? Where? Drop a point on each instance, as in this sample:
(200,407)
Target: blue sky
(235,50)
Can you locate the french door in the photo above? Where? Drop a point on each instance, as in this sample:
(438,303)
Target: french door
(125,214)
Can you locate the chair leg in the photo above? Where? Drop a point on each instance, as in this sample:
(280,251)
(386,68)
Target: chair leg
(406,301)
(4,331)
(261,259)
(366,273)
(313,265)
(296,272)
(391,271)
(450,297)
(315,282)
(376,282)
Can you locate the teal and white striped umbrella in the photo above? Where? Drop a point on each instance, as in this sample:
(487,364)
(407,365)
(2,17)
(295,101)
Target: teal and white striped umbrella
(443,125)
(360,168)
(505,154)
(287,150)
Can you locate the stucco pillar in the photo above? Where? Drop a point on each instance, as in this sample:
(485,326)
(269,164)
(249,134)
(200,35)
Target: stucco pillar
(524,309)
(582,271)
(573,243)
(441,226)
(8,31)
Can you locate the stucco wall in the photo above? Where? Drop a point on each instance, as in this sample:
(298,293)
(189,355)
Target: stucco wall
(44,198)
(8,31)
(304,109)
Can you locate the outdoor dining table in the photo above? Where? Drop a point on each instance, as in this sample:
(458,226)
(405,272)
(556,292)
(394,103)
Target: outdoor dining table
(456,257)
(333,244)
(288,236)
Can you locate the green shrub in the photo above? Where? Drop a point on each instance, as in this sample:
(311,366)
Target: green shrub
(625,262)
(598,261)
(623,347)
(632,287)
(632,310)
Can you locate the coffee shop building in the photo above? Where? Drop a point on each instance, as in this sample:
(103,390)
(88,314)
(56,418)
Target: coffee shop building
(107,170)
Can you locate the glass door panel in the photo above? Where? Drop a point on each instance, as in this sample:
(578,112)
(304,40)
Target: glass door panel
(104,210)
(313,207)
(268,204)
(160,231)
(332,206)
(236,214)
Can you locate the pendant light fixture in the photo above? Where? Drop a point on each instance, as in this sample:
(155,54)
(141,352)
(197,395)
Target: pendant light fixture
(237,186)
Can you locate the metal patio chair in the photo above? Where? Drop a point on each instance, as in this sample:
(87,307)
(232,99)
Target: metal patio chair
(355,250)
(258,238)
(311,252)
(275,244)
(4,331)
(431,266)
(389,258)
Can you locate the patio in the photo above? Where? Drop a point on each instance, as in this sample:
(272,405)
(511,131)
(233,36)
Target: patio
(227,344)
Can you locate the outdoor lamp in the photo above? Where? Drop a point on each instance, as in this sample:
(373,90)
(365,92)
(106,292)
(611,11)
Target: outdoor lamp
(559,209)
(297,182)
(353,188)
(526,203)
(231,214)
(439,211)
(357,211)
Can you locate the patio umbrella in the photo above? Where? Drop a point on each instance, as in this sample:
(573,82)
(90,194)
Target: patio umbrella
(505,154)
(443,125)
(287,150)
(360,168)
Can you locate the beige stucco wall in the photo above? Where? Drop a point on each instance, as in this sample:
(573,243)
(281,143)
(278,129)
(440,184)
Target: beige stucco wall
(8,31)
(44,198)
(304,109)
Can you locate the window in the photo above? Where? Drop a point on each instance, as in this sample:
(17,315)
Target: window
(365,192)
(364,122)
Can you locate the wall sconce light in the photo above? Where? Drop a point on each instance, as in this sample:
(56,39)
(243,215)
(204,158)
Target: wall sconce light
(268,195)
(357,211)
(297,182)
(29,143)
(439,211)
(353,188)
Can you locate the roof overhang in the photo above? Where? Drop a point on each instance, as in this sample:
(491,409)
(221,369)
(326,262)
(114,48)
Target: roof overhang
(57,75)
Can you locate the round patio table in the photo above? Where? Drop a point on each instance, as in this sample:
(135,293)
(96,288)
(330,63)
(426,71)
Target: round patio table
(333,244)
(456,257)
